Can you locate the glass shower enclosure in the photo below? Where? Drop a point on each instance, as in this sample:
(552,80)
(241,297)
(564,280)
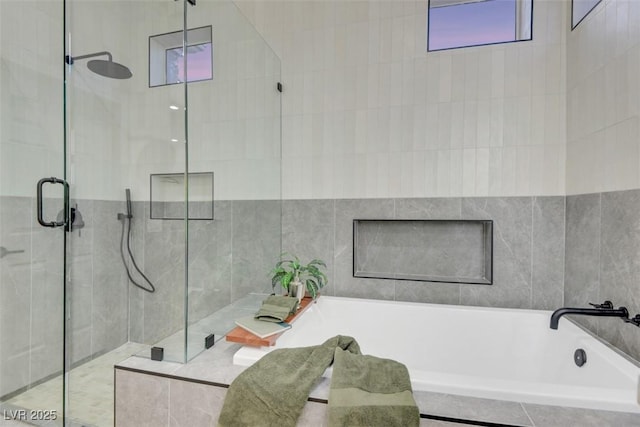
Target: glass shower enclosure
(140,201)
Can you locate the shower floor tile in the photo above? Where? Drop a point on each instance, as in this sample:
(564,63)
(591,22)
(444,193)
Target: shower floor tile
(90,389)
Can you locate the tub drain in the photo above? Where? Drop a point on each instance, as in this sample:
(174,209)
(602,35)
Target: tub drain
(580,357)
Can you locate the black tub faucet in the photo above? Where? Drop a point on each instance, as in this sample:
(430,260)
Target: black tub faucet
(605,309)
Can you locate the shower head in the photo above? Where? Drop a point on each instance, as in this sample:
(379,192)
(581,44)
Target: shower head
(105,68)
(109,69)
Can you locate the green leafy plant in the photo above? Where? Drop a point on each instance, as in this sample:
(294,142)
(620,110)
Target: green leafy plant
(290,270)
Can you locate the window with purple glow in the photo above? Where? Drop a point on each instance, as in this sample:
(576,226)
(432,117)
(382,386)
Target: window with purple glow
(198,63)
(166,56)
(464,23)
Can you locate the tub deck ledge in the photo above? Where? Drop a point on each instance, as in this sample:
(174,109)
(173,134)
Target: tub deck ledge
(198,389)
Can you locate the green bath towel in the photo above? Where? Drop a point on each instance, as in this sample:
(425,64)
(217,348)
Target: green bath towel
(274,390)
(370,391)
(277,308)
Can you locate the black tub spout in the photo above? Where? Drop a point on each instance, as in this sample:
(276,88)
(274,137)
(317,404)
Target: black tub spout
(603,311)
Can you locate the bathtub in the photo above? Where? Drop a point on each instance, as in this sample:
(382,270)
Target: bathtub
(504,354)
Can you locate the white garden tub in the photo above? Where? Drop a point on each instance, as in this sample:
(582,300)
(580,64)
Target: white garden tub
(505,354)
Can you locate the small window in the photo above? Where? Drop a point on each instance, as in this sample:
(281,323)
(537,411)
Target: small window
(580,9)
(199,63)
(166,59)
(464,23)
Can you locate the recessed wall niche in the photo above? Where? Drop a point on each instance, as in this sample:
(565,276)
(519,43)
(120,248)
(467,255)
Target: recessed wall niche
(455,251)
(168,194)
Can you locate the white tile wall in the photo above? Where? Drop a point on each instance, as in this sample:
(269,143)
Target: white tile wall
(603,92)
(120,131)
(234,129)
(368,113)
(30,95)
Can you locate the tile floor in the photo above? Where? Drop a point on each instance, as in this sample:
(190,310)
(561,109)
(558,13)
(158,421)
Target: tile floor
(91,384)
(90,389)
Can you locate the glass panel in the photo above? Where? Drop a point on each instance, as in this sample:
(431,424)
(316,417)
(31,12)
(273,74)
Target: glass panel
(234,131)
(126,273)
(31,256)
(580,9)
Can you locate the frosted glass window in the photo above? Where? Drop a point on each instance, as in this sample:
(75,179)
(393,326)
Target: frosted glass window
(580,9)
(464,23)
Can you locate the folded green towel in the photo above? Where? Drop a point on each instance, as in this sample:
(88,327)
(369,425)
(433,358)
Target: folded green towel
(370,391)
(274,390)
(277,308)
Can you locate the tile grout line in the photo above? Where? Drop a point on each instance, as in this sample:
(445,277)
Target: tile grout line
(564,244)
(335,227)
(231,246)
(524,409)
(395,216)
(531,301)
(459,285)
(597,322)
(31,295)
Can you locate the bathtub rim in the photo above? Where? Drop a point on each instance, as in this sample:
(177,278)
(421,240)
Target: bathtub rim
(568,318)
(245,353)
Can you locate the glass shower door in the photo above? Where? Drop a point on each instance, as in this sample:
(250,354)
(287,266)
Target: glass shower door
(125,268)
(31,256)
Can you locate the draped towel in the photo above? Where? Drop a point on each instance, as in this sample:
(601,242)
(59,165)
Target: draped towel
(365,390)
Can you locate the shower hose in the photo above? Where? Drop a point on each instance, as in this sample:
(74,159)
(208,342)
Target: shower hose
(127,219)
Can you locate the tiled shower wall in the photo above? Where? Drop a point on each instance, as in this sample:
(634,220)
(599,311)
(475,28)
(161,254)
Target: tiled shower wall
(228,258)
(30,297)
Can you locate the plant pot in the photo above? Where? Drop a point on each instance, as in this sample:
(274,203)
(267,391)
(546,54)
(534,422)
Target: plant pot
(297,290)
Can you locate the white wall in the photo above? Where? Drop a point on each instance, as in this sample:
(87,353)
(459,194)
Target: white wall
(120,131)
(97,106)
(368,113)
(31,127)
(234,119)
(234,127)
(603,100)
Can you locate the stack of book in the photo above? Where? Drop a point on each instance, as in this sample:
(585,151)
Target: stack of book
(261,328)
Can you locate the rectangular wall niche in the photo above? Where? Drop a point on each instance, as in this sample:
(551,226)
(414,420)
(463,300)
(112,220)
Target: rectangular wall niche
(168,194)
(455,251)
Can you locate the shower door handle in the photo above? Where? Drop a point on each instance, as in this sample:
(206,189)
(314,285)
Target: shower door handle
(65,185)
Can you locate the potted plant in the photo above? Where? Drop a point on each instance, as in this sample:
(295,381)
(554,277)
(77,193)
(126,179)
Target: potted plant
(290,273)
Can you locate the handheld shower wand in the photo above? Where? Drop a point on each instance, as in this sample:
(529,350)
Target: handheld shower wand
(127,218)
(128,195)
